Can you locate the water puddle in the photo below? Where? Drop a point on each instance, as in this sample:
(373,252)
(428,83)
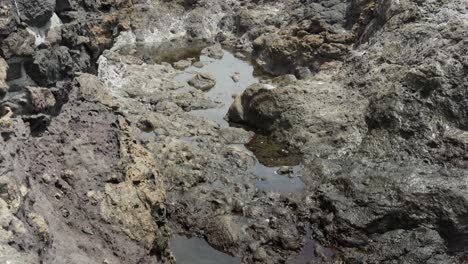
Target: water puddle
(272,153)
(278,166)
(223,71)
(272,180)
(277,169)
(198,251)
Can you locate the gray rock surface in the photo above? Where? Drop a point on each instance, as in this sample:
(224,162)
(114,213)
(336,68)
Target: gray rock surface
(215,52)
(182,64)
(98,169)
(202,81)
(386,109)
(35,12)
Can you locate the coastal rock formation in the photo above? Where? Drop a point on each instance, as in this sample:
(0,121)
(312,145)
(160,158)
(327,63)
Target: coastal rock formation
(123,122)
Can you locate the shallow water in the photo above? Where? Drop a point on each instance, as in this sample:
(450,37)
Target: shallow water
(225,87)
(272,153)
(198,251)
(271,180)
(269,158)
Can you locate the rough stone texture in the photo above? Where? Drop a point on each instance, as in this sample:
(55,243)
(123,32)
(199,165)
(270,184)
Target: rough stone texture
(379,114)
(66,156)
(20,43)
(92,89)
(215,52)
(7,19)
(192,154)
(76,193)
(202,81)
(50,66)
(3,77)
(317,115)
(132,201)
(182,64)
(3,70)
(41,99)
(408,108)
(35,12)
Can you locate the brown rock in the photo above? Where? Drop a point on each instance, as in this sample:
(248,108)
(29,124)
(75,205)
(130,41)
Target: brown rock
(333,51)
(41,99)
(92,89)
(130,202)
(313,40)
(339,38)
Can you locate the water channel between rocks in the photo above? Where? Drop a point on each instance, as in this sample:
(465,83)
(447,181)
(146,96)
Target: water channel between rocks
(223,93)
(232,77)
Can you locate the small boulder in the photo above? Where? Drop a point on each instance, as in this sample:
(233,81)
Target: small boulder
(42,99)
(260,254)
(18,44)
(199,64)
(235,77)
(239,55)
(51,65)
(92,89)
(258,106)
(234,135)
(36,12)
(5,118)
(202,81)
(215,51)
(285,170)
(182,64)
(302,73)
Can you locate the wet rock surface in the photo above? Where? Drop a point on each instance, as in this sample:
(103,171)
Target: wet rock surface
(202,81)
(273,131)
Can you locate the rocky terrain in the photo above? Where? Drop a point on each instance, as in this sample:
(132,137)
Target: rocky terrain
(292,131)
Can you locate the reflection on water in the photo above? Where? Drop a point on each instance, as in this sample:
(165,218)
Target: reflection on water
(271,180)
(198,251)
(225,86)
